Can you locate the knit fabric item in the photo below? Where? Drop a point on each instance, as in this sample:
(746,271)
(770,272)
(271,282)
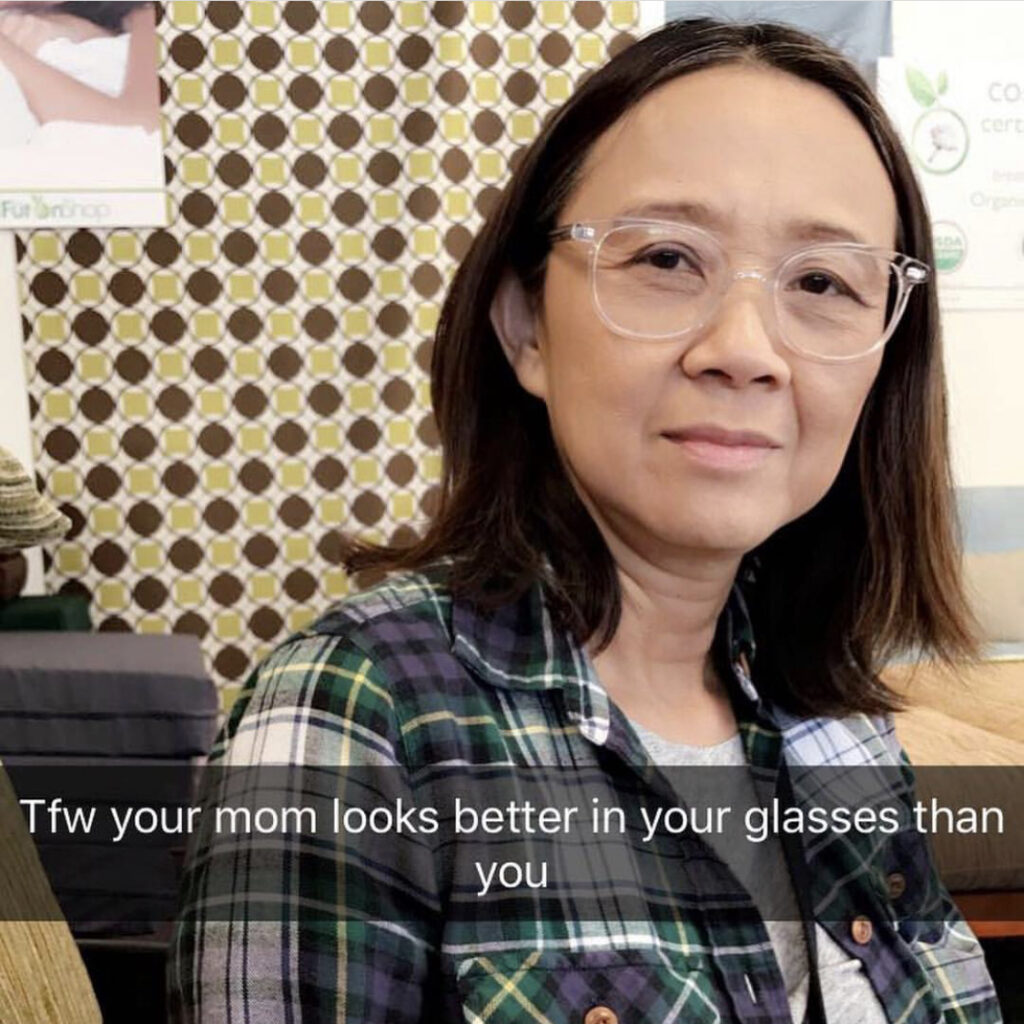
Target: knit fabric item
(27,518)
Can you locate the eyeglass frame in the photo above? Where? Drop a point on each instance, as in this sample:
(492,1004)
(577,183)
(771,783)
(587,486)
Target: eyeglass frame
(910,272)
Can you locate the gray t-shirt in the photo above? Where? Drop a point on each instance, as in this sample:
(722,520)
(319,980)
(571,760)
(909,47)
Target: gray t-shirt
(846,991)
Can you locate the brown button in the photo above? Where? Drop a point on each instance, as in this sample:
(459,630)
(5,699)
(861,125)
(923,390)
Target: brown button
(600,1015)
(897,885)
(860,929)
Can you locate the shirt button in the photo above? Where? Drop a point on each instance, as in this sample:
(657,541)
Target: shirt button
(600,1015)
(860,929)
(897,885)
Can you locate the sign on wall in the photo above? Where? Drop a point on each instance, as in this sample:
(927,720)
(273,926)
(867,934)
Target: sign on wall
(80,116)
(963,125)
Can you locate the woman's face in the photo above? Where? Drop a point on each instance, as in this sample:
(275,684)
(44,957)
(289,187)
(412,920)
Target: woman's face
(762,149)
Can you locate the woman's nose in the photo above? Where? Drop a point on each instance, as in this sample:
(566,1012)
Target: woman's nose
(739,339)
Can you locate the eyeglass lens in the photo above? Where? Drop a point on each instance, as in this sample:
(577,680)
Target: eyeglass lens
(655,281)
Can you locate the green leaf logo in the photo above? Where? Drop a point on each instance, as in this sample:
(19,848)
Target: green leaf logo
(921,88)
(941,83)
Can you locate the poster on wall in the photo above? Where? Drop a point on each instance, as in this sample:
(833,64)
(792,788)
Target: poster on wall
(963,125)
(80,142)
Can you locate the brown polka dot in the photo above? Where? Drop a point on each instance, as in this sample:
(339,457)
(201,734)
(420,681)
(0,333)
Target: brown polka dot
(521,88)
(300,16)
(375,16)
(229,91)
(290,438)
(457,241)
(77,519)
(239,248)
(192,130)
(426,279)
(234,170)
(419,127)
(488,127)
(220,515)
(484,49)
(319,323)
(349,207)
(209,363)
(487,201)
(191,624)
(244,325)
(517,15)
(295,512)
(102,482)
(96,405)
(138,443)
(340,54)
(328,547)
(393,319)
(555,49)
(260,550)
(84,248)
(284,362)
(452,87)
(430,503)
(379,91)
(427,431)
(224,14)
(368,508)
(359,359)
(250,401)
(265,623)
(384,168)
(112,623)
(364,434)
(180,479)
(455,164)
(423,202)
(269,131)
(279,286)
(329,473)
(204,287)
(109,558)
(414,52)
(126,287)
(215,440)
(174,403)
(162,248)
(309,170)
(225,589)
(397,394)
(144,518)
(324,399)
(344,131)
(49,288)
(264,53)
(274,209)
(168,326)
(90,327)
(622,41)
(424,354)
(185,554)
(305,92)
(354,284)
(314,247)
(401,469)
(187,51)
(132,365)
(198,209)
(389,244)
(149,593)
(299,585)
(255,476)
(230,662)
(447,13)
(54,366)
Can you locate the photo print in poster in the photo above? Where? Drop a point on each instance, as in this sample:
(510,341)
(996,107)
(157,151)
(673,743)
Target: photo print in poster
(963,126)
(80,141)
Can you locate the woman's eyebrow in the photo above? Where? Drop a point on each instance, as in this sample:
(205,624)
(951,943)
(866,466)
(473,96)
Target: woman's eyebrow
(701,214)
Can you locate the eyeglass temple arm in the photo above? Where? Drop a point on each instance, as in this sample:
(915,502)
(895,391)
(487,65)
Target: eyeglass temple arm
(571,231)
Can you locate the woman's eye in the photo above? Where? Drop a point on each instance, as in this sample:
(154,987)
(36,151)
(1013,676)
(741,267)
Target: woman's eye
(666,259)
(820,283)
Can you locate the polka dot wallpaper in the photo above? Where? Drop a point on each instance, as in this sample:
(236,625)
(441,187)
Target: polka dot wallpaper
(212,401)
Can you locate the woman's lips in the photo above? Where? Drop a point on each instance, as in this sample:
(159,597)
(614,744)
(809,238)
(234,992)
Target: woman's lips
(719,448)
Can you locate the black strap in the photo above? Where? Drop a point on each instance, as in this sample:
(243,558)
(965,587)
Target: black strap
(794,850)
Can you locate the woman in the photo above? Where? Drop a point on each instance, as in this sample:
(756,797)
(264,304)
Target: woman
(696,492)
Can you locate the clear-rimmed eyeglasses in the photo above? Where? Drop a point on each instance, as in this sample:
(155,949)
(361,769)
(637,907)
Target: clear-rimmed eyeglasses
(832,302)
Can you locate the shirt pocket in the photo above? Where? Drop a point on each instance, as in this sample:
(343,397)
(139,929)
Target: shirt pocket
(557,987)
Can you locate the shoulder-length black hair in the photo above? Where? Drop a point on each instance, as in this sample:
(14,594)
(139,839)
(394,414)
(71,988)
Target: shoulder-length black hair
(871,571)
(106,15)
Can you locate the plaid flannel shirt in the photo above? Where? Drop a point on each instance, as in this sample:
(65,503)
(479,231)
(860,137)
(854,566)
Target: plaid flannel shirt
(402,674)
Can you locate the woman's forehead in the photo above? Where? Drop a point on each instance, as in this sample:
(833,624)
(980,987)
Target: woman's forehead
(754,149)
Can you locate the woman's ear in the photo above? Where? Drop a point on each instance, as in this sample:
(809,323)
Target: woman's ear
(516,325)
